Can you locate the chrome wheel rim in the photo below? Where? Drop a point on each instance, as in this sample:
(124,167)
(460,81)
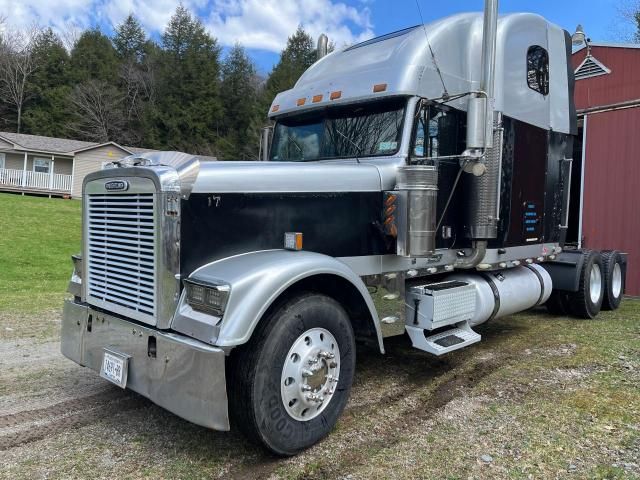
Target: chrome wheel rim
(310,374)
(616,281)
(595,283)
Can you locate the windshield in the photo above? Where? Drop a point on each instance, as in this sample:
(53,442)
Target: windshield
(360,130)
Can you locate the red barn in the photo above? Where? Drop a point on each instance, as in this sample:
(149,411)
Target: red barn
(607,154)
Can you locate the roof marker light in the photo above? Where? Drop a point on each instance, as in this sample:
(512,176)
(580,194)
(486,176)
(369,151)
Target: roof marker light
(275,108)
(301,101)
(335,95)
(380,87)
(316,98)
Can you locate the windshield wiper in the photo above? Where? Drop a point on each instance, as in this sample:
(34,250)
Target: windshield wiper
(358,148)
(292,140)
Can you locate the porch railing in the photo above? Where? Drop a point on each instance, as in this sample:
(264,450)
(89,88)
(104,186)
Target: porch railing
(57,182)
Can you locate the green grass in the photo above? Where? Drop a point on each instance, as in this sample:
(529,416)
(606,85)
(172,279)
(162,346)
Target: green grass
(37,237)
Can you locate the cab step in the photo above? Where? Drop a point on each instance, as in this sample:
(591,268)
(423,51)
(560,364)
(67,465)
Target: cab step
(443,342)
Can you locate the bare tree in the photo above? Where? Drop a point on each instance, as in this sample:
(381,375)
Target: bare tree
(16,66)
(98,111)
(70,35)
(627,26)
(139,84)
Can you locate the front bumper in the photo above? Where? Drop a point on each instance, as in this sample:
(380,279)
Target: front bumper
(186,377)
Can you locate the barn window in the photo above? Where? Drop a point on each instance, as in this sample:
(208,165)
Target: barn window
(538,69)
(591,67)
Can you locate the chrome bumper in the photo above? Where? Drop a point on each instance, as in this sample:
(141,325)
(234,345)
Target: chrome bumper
(187,377)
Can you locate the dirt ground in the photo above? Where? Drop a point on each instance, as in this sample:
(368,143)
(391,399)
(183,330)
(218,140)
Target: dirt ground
(539,397)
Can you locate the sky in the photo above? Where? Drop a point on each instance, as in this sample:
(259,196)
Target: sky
(263,26)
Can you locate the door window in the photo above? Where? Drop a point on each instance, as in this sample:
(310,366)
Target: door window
(439,131)
(41,165)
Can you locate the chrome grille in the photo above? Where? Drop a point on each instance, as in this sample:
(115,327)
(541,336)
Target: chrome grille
(121,267)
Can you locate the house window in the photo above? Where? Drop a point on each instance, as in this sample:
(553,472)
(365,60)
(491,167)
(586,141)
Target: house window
(41,165)
(538,69)
(2,157)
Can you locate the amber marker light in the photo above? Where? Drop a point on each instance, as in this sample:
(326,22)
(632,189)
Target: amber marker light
(380,87)
(390,200)
(317,98)
(301,101)
(335,95)
(293,241)
(275,108)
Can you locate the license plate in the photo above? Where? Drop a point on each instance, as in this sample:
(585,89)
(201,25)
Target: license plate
(115,367)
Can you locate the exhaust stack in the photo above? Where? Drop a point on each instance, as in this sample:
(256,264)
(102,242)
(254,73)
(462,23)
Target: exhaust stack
(484,139)
(322,47)
(480,108)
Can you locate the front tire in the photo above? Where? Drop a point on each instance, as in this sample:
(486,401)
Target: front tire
(288,386)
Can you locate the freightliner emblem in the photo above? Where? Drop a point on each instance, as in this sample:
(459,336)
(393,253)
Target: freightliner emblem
(116,185)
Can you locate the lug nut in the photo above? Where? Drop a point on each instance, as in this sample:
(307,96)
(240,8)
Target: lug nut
(315,397)
(325,354)
(306,372)
(333,365)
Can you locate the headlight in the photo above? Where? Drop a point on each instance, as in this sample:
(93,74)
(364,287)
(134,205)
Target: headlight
(206,297)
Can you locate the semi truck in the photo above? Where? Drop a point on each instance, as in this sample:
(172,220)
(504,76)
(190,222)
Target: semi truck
(417,183)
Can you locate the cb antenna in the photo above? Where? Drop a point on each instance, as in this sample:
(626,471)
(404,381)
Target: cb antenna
(445,93)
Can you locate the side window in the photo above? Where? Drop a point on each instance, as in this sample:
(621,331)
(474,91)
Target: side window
(538,69)
(438,132)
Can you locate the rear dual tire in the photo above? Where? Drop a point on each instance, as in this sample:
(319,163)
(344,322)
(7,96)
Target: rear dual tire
(587,301)
(613,270)
(594,285)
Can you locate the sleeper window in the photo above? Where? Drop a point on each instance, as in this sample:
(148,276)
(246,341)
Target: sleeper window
(538,69)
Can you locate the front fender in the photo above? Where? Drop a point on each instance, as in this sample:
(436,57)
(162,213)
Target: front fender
(257,279)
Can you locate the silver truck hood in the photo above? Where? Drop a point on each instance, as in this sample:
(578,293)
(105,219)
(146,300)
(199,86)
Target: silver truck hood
(255,177)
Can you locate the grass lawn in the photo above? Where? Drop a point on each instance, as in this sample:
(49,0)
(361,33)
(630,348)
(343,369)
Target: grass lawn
(37,237)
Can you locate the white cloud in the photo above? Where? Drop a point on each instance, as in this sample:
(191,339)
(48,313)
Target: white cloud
(54,13)
(266,24)
(259,24)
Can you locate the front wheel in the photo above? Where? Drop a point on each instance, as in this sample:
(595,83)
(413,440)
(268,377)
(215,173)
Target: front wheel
(290,383)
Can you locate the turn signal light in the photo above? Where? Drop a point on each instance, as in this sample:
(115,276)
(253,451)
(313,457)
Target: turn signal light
(380,87)
(293,241)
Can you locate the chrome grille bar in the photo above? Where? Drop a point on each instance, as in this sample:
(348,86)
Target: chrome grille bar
(121,243)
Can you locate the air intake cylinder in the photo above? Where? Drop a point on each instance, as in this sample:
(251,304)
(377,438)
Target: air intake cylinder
(417,187)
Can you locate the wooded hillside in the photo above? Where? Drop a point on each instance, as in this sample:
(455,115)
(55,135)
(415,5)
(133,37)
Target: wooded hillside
(180,93)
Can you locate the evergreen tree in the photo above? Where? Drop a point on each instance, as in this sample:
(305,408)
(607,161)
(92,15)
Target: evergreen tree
(93,57)
(188,115)
(47,113)
(298,55)
(239,101)
(130,39)
(637,19)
